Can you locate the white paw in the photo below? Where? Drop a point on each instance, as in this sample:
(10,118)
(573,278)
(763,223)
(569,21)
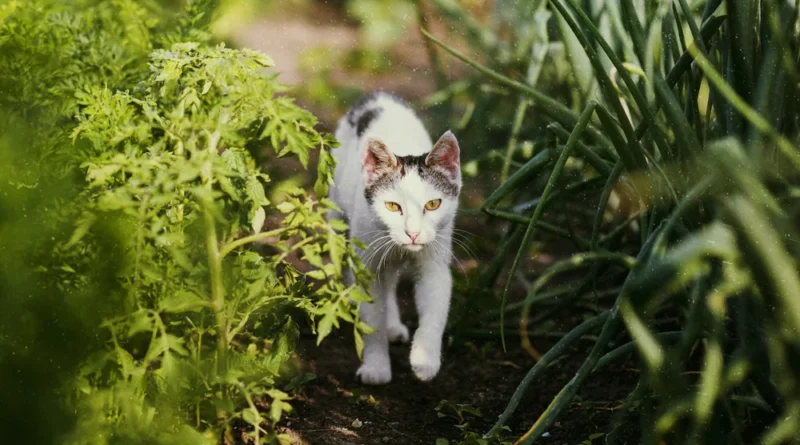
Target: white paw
(397,333)
(374,373)
(424,363)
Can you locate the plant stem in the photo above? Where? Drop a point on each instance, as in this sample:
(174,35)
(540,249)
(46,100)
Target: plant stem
(610,328)
(215,263)
(436,66)
(217,287)
(249,239)
(553,108)
(759,123)
(554,352)
(583,122)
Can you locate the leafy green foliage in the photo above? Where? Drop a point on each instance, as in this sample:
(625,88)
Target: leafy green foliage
(687,115)
(149,135)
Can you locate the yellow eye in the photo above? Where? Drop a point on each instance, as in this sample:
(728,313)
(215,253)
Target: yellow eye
(433,205)
(392,206)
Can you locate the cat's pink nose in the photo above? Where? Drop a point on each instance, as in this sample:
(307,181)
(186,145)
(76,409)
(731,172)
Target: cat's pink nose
(413,236)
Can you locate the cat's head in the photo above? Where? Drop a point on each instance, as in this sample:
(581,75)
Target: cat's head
(414,196)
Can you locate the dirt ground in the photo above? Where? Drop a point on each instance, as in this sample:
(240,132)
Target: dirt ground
(336,409)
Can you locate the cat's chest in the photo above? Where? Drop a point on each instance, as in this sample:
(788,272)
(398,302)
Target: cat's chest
(410,264)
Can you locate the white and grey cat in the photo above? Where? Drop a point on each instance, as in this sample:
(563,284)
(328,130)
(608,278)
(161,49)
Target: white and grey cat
(399,193)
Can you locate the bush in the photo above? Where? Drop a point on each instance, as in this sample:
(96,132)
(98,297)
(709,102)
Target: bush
(137,278)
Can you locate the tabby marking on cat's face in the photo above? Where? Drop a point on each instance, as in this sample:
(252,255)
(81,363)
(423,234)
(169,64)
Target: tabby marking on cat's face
(414,196)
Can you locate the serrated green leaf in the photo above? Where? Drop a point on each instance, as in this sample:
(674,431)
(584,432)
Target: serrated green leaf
(338,225)
(183,301)
(325,325)
(316,274)
(257,221)
(285,207)
(359,342)
(357,294)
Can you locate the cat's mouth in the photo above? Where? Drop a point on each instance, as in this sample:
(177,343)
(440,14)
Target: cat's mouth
(414,247)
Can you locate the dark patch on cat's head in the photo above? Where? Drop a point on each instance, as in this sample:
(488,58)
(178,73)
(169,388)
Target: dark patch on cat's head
(383,183)
(407,165)
(366,118)
(365,102)
(441,182)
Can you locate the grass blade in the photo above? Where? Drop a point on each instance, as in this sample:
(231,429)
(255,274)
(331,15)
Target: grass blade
(549,106)
(759,123)
(551,183)
(553,353)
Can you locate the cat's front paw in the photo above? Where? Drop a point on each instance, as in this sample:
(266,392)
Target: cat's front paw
(375,373)
(424,362)
(398,333)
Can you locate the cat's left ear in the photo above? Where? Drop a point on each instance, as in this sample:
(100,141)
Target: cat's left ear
(445,155)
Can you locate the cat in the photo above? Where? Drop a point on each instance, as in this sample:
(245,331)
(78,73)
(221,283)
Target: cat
(399,193)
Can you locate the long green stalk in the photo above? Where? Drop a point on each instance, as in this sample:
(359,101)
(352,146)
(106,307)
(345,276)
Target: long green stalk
(715,78)
(638,97)
(553,353)
(585,152)
(609,92)
(610,329)
(433,56)
(708,30)
(550,106)
(583,122)
(519,116)
(217,287)
(775,270)
(533,166)
(611,182)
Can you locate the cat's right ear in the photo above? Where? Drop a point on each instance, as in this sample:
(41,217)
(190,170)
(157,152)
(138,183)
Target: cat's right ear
(377,161)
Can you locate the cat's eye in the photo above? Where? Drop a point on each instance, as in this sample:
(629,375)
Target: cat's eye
(433,204)
(392,206)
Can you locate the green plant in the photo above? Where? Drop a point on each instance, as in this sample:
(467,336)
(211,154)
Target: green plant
(456,411)
(298,383)
(694,125)
(356,397)
(592,438)
(460,413)
(155,228)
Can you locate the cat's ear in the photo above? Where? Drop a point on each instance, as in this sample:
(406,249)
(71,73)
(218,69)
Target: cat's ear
(445,155)
(378,160)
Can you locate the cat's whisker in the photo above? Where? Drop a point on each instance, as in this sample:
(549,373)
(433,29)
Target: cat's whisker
(463,237)
(466,248)
(378,239)
(373,252)
(452,255)
(388,251)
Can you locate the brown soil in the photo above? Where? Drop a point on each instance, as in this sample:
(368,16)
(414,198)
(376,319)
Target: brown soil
(336,409)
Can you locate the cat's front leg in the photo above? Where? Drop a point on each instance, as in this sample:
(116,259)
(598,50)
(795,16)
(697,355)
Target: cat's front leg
(376,368)
(432,297)
(395,329)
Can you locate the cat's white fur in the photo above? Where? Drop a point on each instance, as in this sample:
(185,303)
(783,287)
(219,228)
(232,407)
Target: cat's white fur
(392,253)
